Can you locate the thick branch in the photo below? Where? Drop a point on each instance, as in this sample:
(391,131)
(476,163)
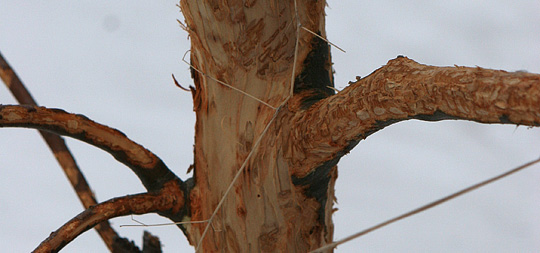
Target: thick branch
(169,200)
(149,168)
(404,89)
(60,150)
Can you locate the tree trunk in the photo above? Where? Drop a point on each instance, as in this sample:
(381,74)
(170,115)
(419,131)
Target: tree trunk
(251,46)
(266,112)
(270,128)
(283,198)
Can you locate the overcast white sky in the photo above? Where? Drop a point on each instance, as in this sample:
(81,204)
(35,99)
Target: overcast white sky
(112,62)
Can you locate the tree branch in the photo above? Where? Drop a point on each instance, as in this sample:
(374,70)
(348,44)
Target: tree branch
(151,170)
(168,200)
(61,152)
(404,89)
(152,177)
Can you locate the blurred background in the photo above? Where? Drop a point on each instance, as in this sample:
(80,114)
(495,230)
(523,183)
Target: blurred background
(112,61)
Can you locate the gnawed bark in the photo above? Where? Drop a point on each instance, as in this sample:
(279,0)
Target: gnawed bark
(168,200)
(147,166)
(251,46)
(404,89)
(283,199)
(167,196)
(61,152)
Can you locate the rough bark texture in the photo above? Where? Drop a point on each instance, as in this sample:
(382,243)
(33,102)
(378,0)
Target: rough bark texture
(251,46)
(283,199)
(166,200)
(150,169)
(61,152)
(166,194)
(294,132)
(404,89)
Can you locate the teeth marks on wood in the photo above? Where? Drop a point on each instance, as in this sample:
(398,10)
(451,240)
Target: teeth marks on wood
(379,111)
(363,115)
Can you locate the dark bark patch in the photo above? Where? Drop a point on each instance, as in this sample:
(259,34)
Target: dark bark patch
(186,188)
(317,181)
(505,119)
(315,77)
(31,109)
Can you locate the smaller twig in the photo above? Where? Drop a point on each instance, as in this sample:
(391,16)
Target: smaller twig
(132,204)
(168,224)
(333,88)
(296,42)
(178,84)
(133,219)
(60,150)
(322,38)
(182,25)
(161,224)
(426,207)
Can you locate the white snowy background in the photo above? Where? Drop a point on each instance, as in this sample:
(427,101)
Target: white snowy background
(112,61)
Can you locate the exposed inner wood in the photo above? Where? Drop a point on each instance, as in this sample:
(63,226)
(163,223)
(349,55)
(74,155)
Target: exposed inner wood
(250,46)
(283,199)
(404,89)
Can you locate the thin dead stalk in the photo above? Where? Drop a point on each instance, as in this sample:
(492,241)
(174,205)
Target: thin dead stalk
(427,206)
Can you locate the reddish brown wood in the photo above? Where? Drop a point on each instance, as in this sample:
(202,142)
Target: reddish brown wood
(170,198)
(61,152)
(282,200)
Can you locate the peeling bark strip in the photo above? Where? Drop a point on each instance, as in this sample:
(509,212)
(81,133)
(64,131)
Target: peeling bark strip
(168,200)
(282,200)
(405,89)
(149,168)
(251,46)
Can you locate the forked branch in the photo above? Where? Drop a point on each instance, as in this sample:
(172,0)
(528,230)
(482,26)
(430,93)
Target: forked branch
(165,201)
(61,152)
(404,89)
(150,169)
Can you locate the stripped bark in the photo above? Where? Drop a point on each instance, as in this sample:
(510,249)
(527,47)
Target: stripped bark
(168,200)
(283,199)
(284,196)
(62,154)
(251,46)
(150,169)
(402,90)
